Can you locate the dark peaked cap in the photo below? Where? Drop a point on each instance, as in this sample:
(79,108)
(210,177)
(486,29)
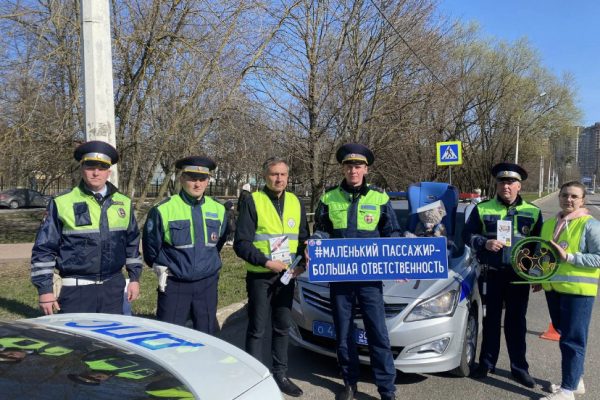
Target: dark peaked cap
(96,151)
(509,171)
(196,165)
(354,152)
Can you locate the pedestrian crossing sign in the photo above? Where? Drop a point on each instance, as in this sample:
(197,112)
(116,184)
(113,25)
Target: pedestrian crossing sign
(449,153)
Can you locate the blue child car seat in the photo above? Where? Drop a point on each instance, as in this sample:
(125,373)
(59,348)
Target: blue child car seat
(423,193)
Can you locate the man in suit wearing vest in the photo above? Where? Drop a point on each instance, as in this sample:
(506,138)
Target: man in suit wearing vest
(480,233)
(182,240)
(88,234)
(271,229)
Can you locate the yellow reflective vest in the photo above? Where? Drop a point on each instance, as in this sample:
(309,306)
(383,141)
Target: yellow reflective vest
(571,279)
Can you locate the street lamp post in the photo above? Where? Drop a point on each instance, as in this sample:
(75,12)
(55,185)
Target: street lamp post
(517,147)
(518,134)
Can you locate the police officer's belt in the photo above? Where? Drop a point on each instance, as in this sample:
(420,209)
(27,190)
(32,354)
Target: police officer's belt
(82,282)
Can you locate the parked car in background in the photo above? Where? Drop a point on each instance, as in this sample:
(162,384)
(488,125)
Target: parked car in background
(102,356)
(19,198)
(433,325)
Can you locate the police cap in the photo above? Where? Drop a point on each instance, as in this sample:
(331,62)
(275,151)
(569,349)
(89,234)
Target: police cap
(96,152)
(196,165)
(509,171)
(354,153)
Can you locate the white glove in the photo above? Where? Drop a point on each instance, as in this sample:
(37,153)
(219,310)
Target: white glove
(161,272)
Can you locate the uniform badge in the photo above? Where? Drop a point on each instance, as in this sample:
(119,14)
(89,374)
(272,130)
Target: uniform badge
(369,218)
(564,244)
(291,223)
(122,212)
(213,237)
(525,230)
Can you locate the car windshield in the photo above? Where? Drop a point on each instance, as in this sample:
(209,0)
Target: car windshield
(38,363)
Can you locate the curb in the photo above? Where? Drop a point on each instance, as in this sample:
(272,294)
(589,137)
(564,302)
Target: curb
(229,314)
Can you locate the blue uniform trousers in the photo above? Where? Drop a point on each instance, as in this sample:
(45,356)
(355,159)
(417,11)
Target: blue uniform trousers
(268,296)
(369,296)
(95,298)
(571,315)
(514,298)
(184,299)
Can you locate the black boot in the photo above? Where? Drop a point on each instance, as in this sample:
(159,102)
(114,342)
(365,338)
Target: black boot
(481,372)
(287,386)
(347,393)
(524,378)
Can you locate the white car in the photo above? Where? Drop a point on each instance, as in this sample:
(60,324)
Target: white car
(433,324)
(103,356)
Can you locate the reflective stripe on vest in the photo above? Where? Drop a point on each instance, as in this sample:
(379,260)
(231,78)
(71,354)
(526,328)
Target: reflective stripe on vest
(80,213)
(269,225)
(177,210)
(368,212)
(571,279)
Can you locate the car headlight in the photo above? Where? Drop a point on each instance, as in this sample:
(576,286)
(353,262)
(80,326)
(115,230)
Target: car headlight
(441,305)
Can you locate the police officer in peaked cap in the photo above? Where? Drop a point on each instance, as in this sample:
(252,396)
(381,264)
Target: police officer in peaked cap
(88,235)
(355,196)
(480,233)
(182,240)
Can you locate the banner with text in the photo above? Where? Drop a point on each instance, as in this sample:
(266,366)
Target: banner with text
(376,259)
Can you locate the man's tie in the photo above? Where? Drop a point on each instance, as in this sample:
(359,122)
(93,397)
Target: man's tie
(98,197)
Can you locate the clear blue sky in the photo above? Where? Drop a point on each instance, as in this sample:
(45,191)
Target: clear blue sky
(565,33)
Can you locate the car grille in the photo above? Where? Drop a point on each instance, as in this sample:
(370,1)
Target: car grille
(323,304)
(329,344)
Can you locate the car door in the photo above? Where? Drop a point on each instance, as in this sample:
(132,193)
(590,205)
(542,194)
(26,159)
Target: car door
(36,199)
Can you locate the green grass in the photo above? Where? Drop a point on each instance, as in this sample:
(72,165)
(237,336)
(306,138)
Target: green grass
(20,226)
(530,196)
(18,298)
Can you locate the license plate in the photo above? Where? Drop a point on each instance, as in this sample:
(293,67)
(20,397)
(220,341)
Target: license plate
(325,329)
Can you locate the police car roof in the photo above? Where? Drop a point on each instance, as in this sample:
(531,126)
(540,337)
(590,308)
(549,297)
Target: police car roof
(207,366)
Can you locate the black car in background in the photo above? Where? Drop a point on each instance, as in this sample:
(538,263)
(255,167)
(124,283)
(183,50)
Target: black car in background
(18,198)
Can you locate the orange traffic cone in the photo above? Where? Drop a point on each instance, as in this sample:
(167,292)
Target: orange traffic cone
(551,333)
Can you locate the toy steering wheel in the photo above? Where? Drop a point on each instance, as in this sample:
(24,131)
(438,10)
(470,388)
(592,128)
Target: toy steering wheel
(535,259)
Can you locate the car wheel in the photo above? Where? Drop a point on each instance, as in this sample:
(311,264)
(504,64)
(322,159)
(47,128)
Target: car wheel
(13,204)
(469,350)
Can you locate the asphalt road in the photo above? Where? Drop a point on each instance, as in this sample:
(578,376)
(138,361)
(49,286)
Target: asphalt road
(317,375)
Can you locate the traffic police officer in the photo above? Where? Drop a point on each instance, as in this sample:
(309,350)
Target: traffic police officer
(480,233)
(356,210)
(182,239)
(89,234)
(271,229)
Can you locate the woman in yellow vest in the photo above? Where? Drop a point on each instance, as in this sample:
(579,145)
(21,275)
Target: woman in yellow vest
(570,295)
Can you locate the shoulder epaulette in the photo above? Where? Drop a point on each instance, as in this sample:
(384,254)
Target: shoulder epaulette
(375,188)
(163,201)
(330,188)
(66,191)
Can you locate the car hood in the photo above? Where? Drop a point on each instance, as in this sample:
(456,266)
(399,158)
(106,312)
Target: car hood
(458,269)
(210,367)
